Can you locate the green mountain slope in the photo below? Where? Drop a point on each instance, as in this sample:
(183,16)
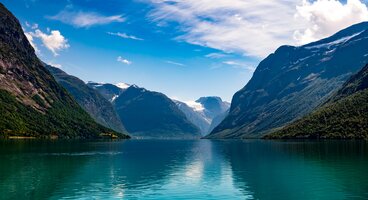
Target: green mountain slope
(32,103)
(148,114)
(292,82)
(89,99)
(344,115)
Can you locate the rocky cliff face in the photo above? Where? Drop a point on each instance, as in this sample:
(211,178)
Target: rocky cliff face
(293,81)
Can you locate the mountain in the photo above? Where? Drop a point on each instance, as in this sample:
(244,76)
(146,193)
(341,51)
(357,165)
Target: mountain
(293,81)
(344,115)
(109,91)
(32,103)
(148,114)
(89,99)
(203,112)
(194,116)
(217,120)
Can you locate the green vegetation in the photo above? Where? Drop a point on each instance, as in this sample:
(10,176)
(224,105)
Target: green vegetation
(100,109)
(61,120)
(343,116)
(343,119)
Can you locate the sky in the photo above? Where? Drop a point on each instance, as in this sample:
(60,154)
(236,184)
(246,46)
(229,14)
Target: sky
(185,49)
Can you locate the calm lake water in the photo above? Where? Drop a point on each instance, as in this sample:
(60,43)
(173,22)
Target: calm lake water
(202,169)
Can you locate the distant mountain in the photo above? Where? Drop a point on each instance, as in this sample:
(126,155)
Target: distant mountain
(293,81)
(148,114)
(109,91)
(344,115)
(217,120)
(32,103)
(203,112)
(89,99)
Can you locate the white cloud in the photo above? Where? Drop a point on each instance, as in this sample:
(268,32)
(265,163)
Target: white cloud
(253,27)
(125,36)
(55,65)
(123,60)
(54,41)
(31,41)
(175,63)
(325,17)
(32,26)
(216,55)
(241,65)
(85,19)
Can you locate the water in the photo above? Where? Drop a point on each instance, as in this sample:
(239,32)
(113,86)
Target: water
(202,169)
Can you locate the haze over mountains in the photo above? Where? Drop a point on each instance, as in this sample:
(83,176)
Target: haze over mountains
(293,81)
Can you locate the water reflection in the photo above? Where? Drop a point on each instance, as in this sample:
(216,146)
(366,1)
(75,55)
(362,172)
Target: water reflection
(202,169)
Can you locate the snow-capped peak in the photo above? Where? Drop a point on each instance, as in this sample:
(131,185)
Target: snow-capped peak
(196,106)
(122,85)
(96,84)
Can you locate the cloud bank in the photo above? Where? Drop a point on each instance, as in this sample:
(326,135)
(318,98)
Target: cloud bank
(256,28)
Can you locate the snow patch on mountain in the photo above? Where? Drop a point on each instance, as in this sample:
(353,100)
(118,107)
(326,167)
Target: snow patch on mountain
(122,85)
(336,42)
(196,106)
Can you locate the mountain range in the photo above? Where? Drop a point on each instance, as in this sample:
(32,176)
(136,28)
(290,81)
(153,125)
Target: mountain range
(147,114)
(32,103)
(204,111)
(292,82)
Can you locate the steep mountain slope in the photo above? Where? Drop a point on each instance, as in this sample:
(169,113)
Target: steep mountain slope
(293,81)
(194,116)
(89,99)
(203,112)
(32,103)
(150,114)
(217,120)
(344,115)
(107,90)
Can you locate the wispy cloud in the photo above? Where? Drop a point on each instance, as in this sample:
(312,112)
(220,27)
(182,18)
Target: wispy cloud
(216,55)
(125,36)
(55,65)
(253,27)
(32,26)
(175,63)
(53,40)
(124,61)
(241,65)
(82,19)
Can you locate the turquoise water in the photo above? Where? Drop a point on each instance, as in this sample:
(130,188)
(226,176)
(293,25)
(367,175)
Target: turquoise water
(202,169)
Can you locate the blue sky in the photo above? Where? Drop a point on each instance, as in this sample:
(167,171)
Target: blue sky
(185,49)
